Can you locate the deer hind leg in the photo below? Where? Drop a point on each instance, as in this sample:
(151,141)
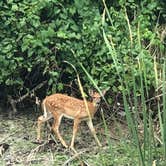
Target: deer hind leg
(55,128)
(92,129)
(41,120)
(75,129)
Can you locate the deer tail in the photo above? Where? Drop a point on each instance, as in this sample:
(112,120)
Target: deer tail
(44,109)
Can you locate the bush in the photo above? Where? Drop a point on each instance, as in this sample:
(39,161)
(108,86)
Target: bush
(37,36)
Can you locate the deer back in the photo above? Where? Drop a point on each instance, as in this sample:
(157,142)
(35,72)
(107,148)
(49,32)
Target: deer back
(68,106)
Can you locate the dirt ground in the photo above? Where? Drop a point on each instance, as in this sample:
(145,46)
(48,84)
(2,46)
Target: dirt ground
(18,143)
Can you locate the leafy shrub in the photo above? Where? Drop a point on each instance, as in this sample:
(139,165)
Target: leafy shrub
(37,36)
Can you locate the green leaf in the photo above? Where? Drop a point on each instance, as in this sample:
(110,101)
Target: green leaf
(62,34)
(14,7)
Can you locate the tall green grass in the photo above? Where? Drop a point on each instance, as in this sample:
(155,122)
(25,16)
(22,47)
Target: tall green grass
(131,122)
(146,145)
(164,109)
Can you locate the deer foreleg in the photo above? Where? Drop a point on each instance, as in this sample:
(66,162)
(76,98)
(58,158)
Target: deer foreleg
(92,129)
(41,120)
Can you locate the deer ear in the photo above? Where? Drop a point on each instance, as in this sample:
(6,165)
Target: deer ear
(104,91)
(91,92)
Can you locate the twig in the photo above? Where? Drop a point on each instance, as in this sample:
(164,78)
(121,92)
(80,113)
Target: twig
(155,97)
(158,139)
(33,151)
(76,155)
(33,90)
(13,102)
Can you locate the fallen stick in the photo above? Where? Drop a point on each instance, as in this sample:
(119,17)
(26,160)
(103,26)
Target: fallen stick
(13,102)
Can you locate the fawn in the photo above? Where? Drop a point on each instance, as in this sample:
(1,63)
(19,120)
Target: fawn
(59,105)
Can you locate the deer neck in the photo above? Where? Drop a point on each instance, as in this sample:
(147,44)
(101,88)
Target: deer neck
(96,104)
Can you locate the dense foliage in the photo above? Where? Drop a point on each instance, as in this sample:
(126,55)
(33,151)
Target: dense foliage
(38,35)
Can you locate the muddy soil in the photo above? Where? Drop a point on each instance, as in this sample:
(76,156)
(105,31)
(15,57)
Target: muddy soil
(18,141)
(18,144)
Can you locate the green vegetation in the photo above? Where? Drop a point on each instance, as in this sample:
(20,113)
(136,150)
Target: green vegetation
(115,45)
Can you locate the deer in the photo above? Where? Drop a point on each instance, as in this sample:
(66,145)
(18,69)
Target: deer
(60,105)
